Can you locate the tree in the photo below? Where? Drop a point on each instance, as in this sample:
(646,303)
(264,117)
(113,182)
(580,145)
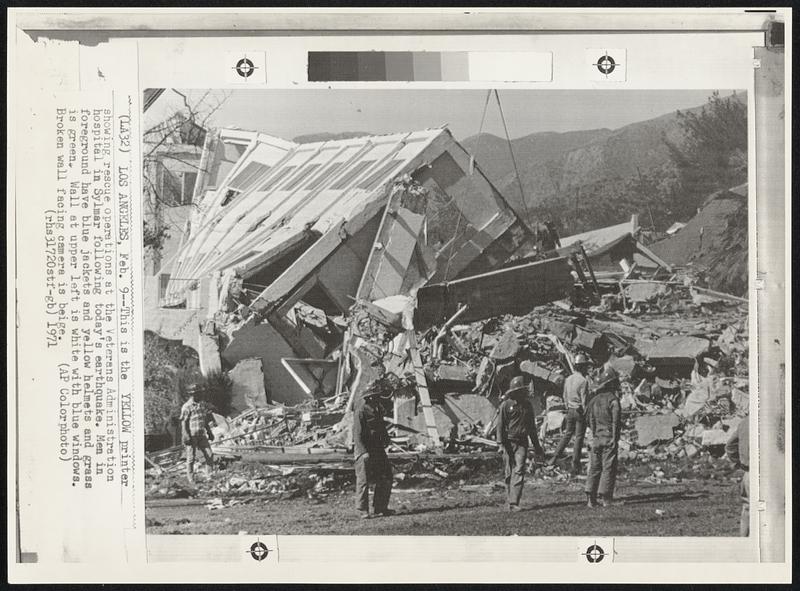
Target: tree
(174,142)
(713,154)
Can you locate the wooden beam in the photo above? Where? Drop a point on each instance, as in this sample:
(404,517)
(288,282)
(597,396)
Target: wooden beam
(422,389)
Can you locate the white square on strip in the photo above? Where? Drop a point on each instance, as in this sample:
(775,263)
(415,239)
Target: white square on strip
(595,552)
(245,67)
(607,64)
(510,66)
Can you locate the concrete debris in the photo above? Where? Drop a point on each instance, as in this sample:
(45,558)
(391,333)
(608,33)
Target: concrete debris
(650,429)
(645,291)
(683,386)
(506,348)
(677,350)
(713,437)
(247,388)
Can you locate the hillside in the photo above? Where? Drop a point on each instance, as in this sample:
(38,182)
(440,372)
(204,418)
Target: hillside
(714,242)
(590,178)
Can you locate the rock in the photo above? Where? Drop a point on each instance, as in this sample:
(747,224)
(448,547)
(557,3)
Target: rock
(506,348)
(691,450)
(653,428)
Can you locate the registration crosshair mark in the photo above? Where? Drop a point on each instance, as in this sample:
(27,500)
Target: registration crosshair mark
(605,64)
(258,550)
(245,67)
(594,553)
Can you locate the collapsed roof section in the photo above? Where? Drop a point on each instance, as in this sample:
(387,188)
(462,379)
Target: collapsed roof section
(281,208)
(287,237)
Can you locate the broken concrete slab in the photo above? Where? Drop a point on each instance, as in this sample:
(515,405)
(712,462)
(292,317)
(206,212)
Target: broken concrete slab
(563,330)
(623,365)
(506,348)
(729,341)
(554,378)
(401,306)
(208,353)
(677,350)
(654,428)
(453,376)
(488,294)
(586,339)
(247,390)
(714,437)
(645,291)
(740,399)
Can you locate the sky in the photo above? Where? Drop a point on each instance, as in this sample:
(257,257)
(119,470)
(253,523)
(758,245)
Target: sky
(293,112)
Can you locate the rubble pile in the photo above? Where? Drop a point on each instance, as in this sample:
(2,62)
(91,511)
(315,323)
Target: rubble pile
(680,351)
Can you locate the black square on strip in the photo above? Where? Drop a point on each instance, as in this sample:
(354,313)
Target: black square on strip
(776,34)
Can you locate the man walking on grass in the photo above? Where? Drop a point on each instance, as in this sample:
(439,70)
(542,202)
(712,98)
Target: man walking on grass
(516,425)
(604,416)
(576,393)
(370,440)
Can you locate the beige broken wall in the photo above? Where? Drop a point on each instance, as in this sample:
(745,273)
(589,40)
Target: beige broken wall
(248,390)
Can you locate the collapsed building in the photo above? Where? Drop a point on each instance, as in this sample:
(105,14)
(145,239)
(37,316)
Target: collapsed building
(285,240)
(310,271)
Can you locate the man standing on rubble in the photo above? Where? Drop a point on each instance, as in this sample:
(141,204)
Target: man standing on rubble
(738,450)
(576,393)
(370,440)
(604,415)
(516,425)
(196,430)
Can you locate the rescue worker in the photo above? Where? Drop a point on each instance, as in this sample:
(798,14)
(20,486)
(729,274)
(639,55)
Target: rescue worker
(738,450)
(604,416)
(372,466)
(516,425)
(196,429)
(576,393)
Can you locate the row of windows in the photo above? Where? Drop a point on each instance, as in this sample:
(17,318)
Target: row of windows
(255,171)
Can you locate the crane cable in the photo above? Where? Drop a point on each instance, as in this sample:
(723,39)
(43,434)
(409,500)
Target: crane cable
(480,131)
(513,160)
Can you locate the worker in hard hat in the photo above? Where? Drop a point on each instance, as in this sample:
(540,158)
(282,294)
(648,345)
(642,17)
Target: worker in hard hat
(370,440)
(576,394)
(604,416)
(516,425)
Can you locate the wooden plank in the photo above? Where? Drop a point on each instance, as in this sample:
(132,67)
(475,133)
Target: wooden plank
(422,389)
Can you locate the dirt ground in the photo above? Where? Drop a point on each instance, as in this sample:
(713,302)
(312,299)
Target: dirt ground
(692,508)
